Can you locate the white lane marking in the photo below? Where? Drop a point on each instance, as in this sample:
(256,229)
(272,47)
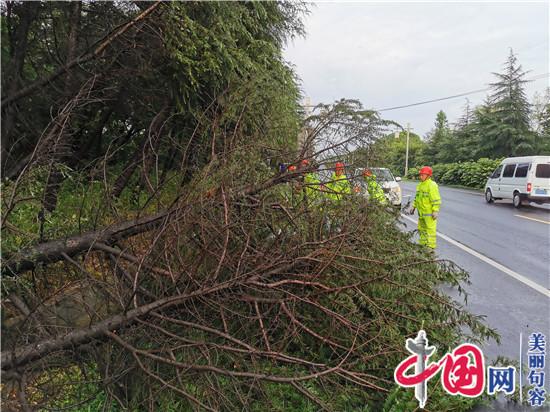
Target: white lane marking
(504,269)
(468,192)
(532,218)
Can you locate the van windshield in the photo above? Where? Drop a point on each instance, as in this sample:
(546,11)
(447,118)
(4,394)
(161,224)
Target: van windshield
(543,170)
(496,173)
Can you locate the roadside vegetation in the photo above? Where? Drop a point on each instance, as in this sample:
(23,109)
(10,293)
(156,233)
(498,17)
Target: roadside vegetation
(466,152)
(152,256)
(468,174)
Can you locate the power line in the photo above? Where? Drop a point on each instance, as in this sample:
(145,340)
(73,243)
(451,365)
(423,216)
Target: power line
(433,100)
(540,76)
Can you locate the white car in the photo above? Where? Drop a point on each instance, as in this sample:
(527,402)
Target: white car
(521,179)
(387,181)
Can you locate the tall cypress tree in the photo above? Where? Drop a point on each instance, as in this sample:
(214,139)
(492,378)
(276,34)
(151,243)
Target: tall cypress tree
(506,131)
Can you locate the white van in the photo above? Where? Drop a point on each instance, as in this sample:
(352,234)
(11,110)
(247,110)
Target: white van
(522,179)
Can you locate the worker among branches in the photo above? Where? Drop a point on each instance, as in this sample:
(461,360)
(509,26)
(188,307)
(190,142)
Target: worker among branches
(376,192)
(338,186)
(428,201)
(311,186)
(291,190)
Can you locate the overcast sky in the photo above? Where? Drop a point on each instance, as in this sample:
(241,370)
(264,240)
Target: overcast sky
(392,54)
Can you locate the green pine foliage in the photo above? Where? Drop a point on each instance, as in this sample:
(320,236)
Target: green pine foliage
(441,144)
(507,132)
(465,153)
(504,125)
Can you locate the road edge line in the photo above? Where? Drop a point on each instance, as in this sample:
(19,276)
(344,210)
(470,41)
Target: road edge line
(533,219)
(526,281)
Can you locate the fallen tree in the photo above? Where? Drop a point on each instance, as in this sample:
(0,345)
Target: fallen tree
(245,284)
(57,250)
(173,264)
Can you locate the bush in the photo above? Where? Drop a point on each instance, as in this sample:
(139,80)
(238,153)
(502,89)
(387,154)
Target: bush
(412,173)
(469,174)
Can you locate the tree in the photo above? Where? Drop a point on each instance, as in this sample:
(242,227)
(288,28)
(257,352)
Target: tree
(541,121)
(440,146)
(505,130)
(390,152)
(465,134)
(231,297)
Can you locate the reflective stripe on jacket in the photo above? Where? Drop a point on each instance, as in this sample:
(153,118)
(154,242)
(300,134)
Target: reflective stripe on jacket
(427,199)
(338,187)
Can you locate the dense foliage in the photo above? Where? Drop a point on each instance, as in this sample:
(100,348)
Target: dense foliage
(469,174)
(153,257)
(389,151)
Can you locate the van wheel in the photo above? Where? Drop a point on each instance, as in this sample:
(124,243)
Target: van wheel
(489,196)
(516,200)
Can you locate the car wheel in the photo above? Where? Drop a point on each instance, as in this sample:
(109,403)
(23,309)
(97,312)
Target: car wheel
(516,200)
(489,196)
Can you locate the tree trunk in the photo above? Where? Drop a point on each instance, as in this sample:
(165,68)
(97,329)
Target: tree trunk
(53,251)
(63,150)
(143,152)
(14,72)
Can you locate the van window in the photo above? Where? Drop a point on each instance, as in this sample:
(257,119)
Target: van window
(522,169)
(509,170)
(496,173)
(543,170)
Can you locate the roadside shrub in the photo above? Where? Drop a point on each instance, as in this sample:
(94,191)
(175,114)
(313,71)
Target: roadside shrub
(412,173)
(469,174)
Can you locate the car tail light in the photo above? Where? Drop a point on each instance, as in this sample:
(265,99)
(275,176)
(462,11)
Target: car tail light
(529,187)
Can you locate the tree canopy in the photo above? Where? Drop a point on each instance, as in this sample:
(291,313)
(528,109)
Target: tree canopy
(501,127)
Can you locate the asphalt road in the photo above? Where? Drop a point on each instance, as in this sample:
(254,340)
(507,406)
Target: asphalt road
(516,243)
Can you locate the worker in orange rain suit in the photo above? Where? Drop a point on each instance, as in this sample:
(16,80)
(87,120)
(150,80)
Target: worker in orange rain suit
(428,201)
